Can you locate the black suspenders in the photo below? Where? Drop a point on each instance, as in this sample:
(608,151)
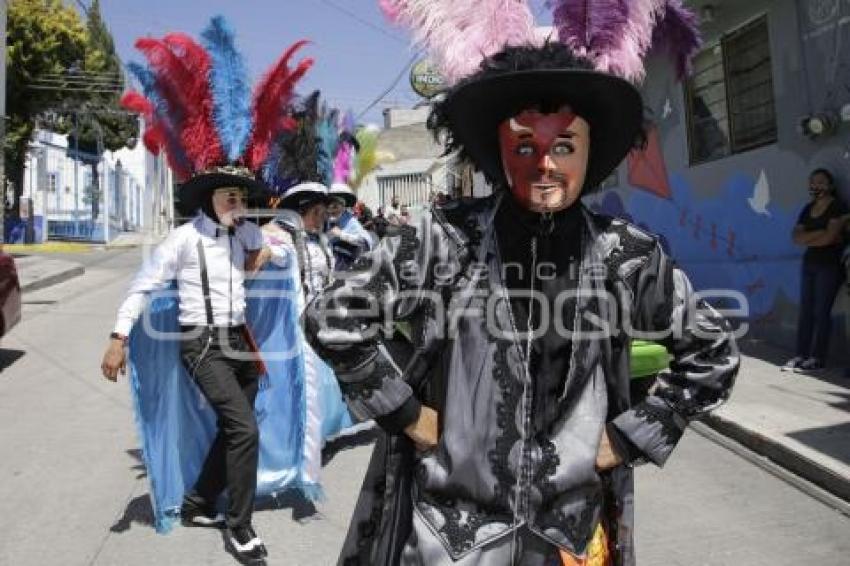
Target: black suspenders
(205,284)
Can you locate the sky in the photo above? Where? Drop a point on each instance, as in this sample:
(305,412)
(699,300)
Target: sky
(358,53)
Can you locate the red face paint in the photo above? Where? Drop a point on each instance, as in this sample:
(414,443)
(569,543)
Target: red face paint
(545,158)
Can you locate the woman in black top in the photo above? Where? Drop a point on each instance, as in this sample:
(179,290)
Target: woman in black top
(819,228)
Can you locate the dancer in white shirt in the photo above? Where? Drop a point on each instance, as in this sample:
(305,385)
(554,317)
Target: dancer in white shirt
(216,133)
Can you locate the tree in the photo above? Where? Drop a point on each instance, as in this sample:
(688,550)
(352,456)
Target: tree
(107,126)
(65,73)
(44,39)
(117,127)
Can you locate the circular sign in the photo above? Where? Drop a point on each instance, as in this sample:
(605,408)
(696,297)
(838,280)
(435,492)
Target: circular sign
(426,80)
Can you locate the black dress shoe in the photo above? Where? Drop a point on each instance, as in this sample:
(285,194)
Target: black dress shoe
(246,544)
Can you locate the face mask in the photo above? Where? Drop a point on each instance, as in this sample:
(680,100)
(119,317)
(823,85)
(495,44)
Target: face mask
(229,206)
(545,158)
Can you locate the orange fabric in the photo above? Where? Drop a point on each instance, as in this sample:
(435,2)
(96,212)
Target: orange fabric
(597,552)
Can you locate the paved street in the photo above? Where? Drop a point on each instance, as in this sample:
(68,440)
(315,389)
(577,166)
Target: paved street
(73,492)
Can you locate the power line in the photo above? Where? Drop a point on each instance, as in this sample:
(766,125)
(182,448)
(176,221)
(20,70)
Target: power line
(81,73)
(75,89)
(363,21)
(392,86)
(80,82)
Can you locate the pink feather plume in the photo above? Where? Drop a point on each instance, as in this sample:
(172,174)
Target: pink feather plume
(271,96)
(617,34)
(626,59)
(459,34)
(343,163)
(677,33)
(392,9)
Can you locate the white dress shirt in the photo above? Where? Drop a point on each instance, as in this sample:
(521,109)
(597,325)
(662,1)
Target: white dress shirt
(176,258)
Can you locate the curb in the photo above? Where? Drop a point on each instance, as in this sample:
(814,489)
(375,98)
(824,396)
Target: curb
(53,279)
(782,455)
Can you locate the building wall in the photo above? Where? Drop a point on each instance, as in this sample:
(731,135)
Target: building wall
(398,117)
(416,171)
(135,192)
(728,222)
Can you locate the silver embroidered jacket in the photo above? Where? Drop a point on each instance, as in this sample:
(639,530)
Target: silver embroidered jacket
(441,283)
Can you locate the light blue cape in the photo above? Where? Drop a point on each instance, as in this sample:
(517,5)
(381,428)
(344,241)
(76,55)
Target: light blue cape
(176,424)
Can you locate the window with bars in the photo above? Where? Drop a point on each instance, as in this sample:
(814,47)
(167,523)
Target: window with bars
(730,95)
(412,189)
(52,182)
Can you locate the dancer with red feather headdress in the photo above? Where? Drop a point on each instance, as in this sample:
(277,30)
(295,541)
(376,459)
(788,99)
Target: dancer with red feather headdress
(217,133)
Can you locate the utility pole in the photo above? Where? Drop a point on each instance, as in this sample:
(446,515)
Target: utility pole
(76,171)
(3,118)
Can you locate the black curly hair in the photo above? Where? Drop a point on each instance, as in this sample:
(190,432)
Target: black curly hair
(552,55)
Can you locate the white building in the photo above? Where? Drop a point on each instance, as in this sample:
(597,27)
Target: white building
(132,191)
(417,170)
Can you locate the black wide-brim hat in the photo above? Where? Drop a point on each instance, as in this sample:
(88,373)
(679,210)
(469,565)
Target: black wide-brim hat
(612,107)
(196,190)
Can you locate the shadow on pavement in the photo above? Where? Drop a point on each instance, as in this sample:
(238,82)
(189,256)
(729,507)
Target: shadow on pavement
(828,440)
(777,356)
(764,351)
(138,511)
(9,357)
(136,454)
(303,509)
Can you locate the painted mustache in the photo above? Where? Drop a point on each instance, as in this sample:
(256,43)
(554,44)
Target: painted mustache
(552,181)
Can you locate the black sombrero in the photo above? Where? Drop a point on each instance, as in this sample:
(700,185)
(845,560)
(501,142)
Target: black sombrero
(613,107)
(193,192)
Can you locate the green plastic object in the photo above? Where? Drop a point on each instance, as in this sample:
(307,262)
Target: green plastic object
(648,358)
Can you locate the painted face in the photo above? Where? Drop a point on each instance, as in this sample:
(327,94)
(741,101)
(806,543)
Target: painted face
(545,158)
(229,205)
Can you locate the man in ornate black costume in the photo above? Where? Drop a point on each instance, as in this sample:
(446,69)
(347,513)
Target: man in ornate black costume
(506,446)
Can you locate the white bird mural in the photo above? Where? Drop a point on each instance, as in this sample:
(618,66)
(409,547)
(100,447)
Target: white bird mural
(761,195)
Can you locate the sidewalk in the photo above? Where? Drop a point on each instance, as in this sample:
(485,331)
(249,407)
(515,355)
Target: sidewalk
(801,422)
(133,240)
(37,271)
(43,265)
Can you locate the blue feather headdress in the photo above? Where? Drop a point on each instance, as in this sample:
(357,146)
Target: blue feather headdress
(231,91)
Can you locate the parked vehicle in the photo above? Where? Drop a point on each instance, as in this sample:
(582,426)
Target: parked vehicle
(10,294)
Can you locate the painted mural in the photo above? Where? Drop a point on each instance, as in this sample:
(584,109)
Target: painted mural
(736,239)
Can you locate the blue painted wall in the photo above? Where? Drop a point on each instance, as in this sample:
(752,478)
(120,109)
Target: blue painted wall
(728,222)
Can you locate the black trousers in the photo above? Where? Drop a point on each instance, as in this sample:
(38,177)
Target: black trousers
(227,376)
(819,284)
